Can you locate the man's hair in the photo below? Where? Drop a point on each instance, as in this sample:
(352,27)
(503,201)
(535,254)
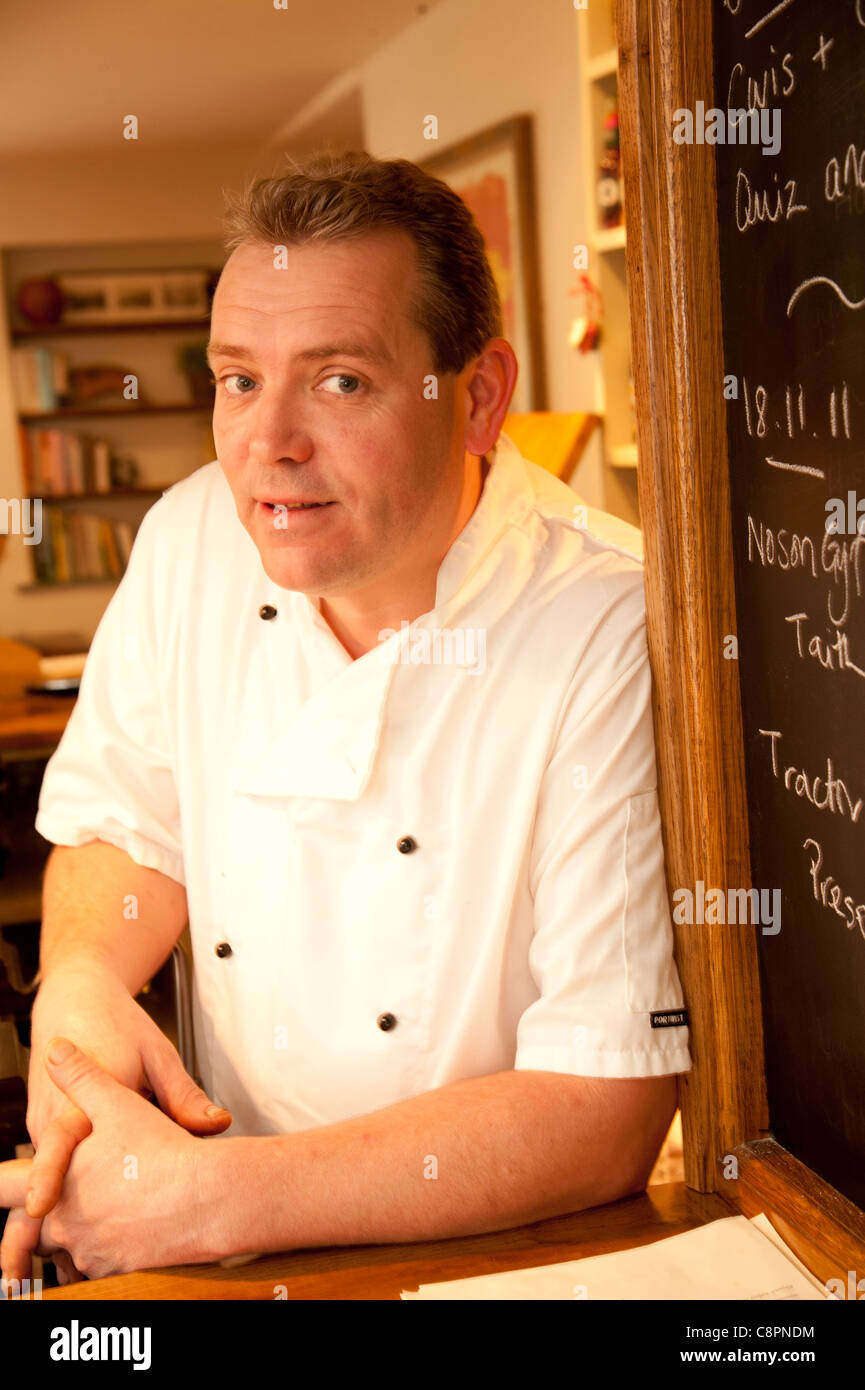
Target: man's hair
(331,197)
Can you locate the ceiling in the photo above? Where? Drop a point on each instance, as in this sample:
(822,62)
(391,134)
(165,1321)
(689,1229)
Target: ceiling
(192,71)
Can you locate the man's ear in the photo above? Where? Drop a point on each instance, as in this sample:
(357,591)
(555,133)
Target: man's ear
(489,387)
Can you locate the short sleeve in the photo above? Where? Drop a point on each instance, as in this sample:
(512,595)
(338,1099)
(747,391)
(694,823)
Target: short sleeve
(602,950)
(112,775)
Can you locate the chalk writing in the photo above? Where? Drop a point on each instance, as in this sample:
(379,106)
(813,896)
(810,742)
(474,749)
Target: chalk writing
(766,205)
(791,550)
(838,178)
(787,410)
(830,896)
(833,656)
(822,280)
(837,798)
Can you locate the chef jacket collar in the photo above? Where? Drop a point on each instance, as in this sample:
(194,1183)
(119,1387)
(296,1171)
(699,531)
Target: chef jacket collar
(329,748)
(506,498)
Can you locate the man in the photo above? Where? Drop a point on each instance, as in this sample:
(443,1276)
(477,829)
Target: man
(375,712)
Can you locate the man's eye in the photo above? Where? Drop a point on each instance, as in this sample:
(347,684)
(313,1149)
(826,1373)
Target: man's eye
(348,384)
(236,376)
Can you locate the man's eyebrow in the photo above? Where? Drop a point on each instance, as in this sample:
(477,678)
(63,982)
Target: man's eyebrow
(367,352)
(226,350)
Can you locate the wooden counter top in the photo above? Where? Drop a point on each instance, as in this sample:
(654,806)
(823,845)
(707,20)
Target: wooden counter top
(381,1271)
(33,721)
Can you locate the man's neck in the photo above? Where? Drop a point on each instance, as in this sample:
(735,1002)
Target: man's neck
(357,624)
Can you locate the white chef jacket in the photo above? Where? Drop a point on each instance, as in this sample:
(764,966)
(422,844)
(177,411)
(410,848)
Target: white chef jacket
(440,860)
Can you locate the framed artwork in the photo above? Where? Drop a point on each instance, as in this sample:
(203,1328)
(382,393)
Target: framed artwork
(125,296)
(493,173)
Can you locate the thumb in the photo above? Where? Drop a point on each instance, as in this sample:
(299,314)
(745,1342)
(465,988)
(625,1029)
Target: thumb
(79,1077)
(180,1097)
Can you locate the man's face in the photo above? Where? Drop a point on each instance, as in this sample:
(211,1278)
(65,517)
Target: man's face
(321,400)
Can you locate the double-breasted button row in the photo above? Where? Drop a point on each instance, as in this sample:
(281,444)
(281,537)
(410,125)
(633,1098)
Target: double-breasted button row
(385,1021)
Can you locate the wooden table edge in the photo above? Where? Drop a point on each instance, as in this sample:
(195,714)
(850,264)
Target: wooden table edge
(371,1272)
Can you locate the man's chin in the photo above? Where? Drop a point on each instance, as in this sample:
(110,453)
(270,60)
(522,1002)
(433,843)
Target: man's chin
(288,576)
(289,571)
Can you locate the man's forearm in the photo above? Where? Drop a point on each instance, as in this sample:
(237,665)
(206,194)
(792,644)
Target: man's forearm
(101,910)
(478,1155)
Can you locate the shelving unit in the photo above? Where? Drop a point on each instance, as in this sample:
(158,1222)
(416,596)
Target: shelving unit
(90,330)
(115,492)
(109,412)
(610,239)
(604,64)
(623,456)
(599,83)
(162,432)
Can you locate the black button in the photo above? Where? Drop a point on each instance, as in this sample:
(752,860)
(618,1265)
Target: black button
(223,949)
(386,1021)
(406,844)
(267,611)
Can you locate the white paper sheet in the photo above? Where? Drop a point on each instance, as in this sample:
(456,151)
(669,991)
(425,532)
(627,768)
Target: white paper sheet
(731,1258)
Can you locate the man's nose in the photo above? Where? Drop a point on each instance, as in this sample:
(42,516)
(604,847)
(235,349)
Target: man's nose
(279,426)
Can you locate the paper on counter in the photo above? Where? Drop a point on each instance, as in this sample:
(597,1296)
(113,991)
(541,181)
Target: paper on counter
(763,1224)
(730,1258)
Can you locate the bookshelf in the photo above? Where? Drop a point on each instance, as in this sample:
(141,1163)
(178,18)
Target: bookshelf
(599,84)
(98,464)
(90,330)
(109,412)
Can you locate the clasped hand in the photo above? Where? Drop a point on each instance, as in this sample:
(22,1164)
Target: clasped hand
(113,1182)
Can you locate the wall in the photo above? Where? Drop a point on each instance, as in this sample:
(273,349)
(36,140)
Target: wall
(473,63)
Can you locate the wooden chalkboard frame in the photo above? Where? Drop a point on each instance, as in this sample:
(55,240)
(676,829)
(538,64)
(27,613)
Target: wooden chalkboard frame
(665,63)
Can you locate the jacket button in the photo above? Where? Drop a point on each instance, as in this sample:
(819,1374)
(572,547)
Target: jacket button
(406,844)
(223,949)
(267,611)
(385,1022)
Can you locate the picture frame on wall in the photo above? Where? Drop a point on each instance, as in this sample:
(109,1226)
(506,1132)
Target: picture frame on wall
(118,296)
(493,172)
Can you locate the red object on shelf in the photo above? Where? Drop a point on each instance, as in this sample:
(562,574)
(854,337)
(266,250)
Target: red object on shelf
(40,301)
(586,328)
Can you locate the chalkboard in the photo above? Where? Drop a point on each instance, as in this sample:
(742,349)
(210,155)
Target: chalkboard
(792,258)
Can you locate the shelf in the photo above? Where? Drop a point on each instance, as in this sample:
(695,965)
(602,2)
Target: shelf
(610,238)
(604,65)
(75,330)
(598,47)
(164,449)
(625,456)
(81,412)
(52,498)
(68,584)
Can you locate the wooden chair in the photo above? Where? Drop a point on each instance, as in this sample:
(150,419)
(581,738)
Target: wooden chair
(554,440)
(19,667)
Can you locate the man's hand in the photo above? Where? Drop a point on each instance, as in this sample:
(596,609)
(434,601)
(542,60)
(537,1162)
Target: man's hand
(129,1199)
(96,1010)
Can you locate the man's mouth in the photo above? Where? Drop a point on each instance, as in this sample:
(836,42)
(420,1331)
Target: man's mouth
(292,506)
